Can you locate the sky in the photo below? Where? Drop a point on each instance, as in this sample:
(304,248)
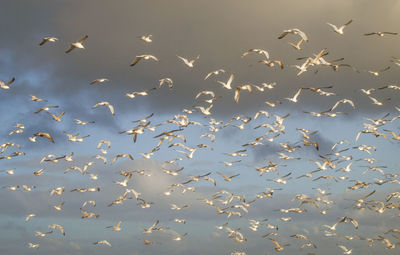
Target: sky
(218,33)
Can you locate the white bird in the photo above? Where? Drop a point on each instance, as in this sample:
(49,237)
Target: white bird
(36,99)
(227,84)
(297,46)
(345,250)
(376,102)
(168,81)
(342,101)
(145,57)
(258,51)
(48,39)
(104,103)
(303,67)
(31,245)
(77,44)
(151,228)
(146,38)
(368,91)
(205,111)
(4,85)
(29,216)
(56,226)
(294,98)
(100,80)
(340,29)
(58,207)
(103,242)
(376,73)
(117,227)
(242,87)
(187,62)
(216,72)
(80,122)
(381,34)
(294,31)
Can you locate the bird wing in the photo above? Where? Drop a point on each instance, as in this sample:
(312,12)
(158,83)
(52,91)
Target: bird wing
(134,62)
(70,49)
(83,39)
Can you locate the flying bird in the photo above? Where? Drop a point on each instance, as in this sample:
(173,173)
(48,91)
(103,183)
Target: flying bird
(100,80)
(340,29)
(44,135)
(104,103)
(103,242)
(48,39)
(227,84)
(77,45)
(216,72)
(381,34)
(145,57)
(146,38)
(297,45)
(4,85)
(294,31)
(187,62)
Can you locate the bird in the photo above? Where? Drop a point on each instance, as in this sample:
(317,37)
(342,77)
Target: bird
(48,39)
(40,234)
(122,156)
(146,38)
(104,103)
(59,227)
(294,31)
(4,85)
(278,247)
(377,102)
(377,73)
(140,93)
(58,207)
(77,45)
(117,227)
(368,91)
(381,34)
(294,98)
(342,101)
(297,46)
(205,111)
(99,80)
(31,245)
(46,108)
(44,135)
(56,118)
(36,99)
(227,84)
(80,122)
(29,216)
(395,137)
(187,62)
(103,242)
(345,250)
(216,72)
(240,88)
(343,219)
(226,178)
(340,29)
(167,81)
(151,228)
(145,57)
(258,51)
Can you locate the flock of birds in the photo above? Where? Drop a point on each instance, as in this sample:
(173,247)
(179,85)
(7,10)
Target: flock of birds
(332,167)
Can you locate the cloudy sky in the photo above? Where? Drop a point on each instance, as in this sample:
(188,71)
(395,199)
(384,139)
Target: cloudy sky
(219,32)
